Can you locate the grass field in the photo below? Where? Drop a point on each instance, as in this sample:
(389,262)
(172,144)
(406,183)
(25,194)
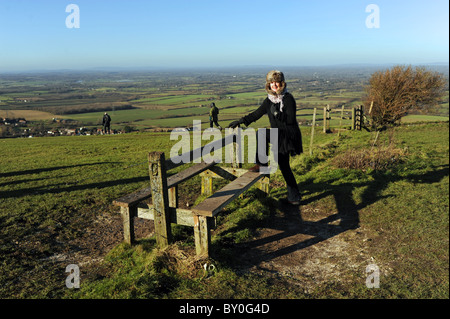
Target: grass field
(55,210)
(30,115)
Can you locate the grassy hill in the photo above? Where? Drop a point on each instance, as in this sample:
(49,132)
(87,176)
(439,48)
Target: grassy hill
(55,210)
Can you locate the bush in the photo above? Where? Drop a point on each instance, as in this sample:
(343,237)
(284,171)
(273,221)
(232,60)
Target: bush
(391,94)
(128,129)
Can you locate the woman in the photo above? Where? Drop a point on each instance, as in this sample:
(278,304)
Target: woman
(281,109)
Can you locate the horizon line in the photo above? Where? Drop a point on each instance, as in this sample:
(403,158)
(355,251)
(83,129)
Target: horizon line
(203,68)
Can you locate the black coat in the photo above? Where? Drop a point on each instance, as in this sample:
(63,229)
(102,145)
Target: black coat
(106,119)
(289,135)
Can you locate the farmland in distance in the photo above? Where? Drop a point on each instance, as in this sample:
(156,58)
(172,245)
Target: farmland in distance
(144,100)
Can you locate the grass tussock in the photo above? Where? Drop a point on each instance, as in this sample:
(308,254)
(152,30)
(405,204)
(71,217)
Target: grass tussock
(376,158)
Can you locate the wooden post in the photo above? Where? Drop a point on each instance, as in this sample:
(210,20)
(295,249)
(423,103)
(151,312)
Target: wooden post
(359,117)
(340,122)
(158,184)
(326,119)
(263,184)
(202,235)
(128,224)
(236,150)
(173,196)
(207,187)
(353,118)
(312,131)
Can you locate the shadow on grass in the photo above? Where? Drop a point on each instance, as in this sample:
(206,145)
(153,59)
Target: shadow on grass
(287,225)
(49,169)
(63,187)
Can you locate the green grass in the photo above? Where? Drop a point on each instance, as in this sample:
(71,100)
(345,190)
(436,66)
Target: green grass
(53,189)
(423,118)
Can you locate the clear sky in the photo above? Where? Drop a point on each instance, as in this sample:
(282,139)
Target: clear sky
(209,33)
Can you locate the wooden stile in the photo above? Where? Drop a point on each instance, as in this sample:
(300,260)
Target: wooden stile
(163,191)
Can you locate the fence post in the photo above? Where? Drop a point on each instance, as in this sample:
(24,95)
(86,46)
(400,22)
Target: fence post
(313,125)
(359,117)
(158,184)
(353,118)
(326,119)
(340,122)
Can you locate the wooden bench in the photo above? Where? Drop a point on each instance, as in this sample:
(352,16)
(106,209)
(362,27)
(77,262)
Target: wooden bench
(163,191)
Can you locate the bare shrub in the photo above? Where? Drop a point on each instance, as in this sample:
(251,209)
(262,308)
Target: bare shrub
(392,93)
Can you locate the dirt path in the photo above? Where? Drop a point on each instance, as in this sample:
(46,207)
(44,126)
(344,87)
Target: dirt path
(306,246)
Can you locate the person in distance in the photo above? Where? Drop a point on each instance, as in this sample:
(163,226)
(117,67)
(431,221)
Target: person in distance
(214,116)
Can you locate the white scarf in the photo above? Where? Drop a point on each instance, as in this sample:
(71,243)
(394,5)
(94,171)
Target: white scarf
(278,99)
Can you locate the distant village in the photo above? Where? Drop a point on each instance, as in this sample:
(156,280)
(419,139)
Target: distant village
(20,127)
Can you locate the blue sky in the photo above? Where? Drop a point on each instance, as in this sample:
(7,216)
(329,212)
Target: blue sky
(220,33)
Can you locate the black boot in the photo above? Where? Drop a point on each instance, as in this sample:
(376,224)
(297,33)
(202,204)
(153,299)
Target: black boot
(293,195)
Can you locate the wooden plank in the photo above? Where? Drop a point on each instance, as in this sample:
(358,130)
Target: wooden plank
(177,215)
(188,173)
(194,154)
(133,198)
(145,193)
(214,204)
(228,173)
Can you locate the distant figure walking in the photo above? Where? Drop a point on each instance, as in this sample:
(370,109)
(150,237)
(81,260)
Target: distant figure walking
(213,116)
(106,123)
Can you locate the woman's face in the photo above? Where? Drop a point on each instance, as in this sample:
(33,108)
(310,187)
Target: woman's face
(274,86)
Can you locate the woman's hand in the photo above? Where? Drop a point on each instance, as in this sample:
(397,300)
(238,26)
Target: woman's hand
(235,124)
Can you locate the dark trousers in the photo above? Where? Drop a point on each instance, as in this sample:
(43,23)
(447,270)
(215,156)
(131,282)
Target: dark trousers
(106,128)
(211,122)
(285,167)
(283,163)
